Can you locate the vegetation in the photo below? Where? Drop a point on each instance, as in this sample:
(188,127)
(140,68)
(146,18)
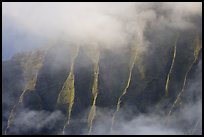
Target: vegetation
(197,49)
(131,65)
(66,95)
(170,71)
(31,66)
(95,59)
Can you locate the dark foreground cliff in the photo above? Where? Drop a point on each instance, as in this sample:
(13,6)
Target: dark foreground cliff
(40,75)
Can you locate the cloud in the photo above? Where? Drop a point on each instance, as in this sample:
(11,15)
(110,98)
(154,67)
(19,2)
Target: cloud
(111,25)
(186,119)
(34,121)
(180,123)
(108,23)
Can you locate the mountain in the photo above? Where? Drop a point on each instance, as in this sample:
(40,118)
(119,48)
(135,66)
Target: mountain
(39,86)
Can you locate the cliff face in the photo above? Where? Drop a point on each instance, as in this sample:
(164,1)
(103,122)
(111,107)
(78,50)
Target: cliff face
(32,82)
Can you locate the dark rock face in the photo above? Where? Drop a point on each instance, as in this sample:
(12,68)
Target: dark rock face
(12,86)
(142,94)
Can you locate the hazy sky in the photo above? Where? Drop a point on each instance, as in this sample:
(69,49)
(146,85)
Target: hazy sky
(30,25)
(17,40)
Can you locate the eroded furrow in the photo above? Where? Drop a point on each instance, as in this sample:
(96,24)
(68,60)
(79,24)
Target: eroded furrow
(31,66)
(131,65)
(197,49)
(92,112)
(170,71)
(67,94)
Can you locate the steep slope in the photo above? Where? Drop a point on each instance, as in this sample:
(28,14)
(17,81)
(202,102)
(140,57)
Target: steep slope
(98,82)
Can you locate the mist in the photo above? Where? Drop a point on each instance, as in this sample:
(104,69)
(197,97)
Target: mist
(155,121)
(111,24)
(112,29)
